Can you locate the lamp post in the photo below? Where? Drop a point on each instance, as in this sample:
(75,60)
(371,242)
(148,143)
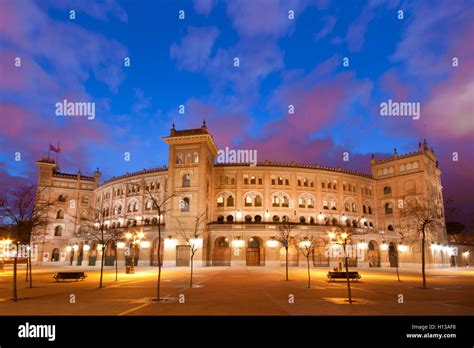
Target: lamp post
(341,238)
(134,238)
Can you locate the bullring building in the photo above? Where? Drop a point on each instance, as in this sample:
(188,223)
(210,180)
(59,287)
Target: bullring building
(243,206)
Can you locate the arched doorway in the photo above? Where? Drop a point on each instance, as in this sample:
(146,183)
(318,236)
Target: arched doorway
(292,256)
(93,253)
(255,255)
(154,253)
(110,252)
(221,253)
(55,255)
(80,254)
(373,254)
(393,255)
(320,256)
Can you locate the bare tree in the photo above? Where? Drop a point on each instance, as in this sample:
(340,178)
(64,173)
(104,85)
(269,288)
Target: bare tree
(193,238)
(23,211)
(421,218)
(161,205)
(95,227)
(306,246)
(285,237)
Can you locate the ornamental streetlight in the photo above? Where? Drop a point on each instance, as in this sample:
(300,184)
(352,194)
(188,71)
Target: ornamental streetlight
(341,238)
(134,238)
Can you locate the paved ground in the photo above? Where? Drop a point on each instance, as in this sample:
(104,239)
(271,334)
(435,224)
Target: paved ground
(241,291)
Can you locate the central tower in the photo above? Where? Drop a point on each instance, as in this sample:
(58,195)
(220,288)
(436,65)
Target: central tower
(190,170)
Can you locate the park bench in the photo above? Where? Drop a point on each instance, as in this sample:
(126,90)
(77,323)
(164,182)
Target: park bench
(353,275)
(70,275)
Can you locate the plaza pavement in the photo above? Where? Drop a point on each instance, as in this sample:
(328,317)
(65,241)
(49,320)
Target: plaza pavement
(240,291)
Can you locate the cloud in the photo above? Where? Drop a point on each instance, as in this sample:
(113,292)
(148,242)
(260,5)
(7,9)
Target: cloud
(194,50)
(204,7)
(328,26)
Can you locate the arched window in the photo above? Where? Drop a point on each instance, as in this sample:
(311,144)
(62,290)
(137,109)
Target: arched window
(280,180)
(179,159)
(196,157)
(258,218)
(226,180)
(302,220)
(364,209)
(58,231)
(60,214)
(230,201)
(248,218)
(390,228)
(285,218)
(220,201)
(258,201)
(186,180)
(388,208)
(276,218)
(387,190)
(253,180)
(185,205)
(230,218)
(220,219)
(248,201)
(55,255)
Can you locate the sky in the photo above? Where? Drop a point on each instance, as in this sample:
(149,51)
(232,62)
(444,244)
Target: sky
(290,53)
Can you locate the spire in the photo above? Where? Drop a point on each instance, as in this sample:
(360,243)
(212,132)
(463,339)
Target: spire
(419,148)
(395,153)
(173,130)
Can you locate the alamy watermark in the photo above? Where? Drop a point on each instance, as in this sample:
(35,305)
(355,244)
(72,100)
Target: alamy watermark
(406,109)
(67,108)
(227,155)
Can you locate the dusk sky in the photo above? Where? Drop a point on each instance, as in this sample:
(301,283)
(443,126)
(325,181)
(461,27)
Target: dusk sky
(282,61)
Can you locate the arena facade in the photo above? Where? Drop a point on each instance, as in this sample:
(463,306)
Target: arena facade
(243,206)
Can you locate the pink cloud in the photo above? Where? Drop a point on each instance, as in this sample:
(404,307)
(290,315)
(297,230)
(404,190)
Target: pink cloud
(390,83)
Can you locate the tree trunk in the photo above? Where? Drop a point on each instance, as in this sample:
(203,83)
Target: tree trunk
(423,273)
(347,274)
(102,265)
(191,279)
(27,269)
(30,267)
(159,259)
(309,273)
(15,296)
(286,249)
(116,262)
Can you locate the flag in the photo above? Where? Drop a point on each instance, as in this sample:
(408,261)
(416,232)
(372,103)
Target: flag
(54,149)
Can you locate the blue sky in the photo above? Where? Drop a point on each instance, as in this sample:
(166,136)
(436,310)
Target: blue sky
(282,61)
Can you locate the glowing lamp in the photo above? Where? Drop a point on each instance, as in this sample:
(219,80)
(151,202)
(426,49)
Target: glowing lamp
(120,245)
(141,235)
(238,243)
(75,247)
(195,243)
(362,245)
(272,243)
(238,215)
(402,248)
(68,248)
(384,246)
(320,216)
(86,247)
(331,235)
(305,243)
(170,242)
(466,254)
(144,244)
(128,235)
(344,235)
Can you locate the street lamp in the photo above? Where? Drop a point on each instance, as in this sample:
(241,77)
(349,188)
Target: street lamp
(342,238)
(134,238)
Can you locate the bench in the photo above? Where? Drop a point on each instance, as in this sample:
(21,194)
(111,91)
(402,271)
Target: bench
(70,275)
(353,275)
